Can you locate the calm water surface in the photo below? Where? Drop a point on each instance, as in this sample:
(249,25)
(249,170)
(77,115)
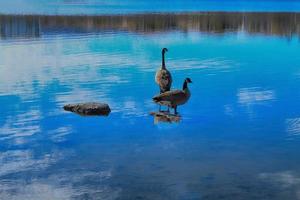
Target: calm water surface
(238,137)
(95,7)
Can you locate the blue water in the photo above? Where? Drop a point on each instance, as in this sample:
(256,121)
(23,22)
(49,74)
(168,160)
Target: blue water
(92,7)
(238,137)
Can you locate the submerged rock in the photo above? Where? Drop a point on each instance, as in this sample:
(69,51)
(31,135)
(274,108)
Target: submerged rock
(90,108)
(164,116)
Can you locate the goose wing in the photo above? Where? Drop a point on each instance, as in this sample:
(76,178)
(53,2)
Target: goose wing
(170,96)
(166,79)
(163,78)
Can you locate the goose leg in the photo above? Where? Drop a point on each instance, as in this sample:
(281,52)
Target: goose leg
(168,109)
(175,110)
(160,91)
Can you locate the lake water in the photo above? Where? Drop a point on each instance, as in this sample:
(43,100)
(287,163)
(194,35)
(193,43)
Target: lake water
(95,7)
(238,137)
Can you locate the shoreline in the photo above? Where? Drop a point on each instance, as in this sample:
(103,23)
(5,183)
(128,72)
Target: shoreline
(282,24)
(154,13)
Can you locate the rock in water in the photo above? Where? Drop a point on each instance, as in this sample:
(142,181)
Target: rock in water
(164,116)
(90,108)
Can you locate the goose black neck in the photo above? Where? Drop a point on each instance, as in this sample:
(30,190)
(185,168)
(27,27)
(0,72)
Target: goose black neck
(184,85)
(163,65)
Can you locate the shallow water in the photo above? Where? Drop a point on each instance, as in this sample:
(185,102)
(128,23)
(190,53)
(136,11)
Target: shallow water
(238,137)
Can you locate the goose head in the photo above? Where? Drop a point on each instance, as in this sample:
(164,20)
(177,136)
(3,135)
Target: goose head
(188,80)
(164,50)
(185,83)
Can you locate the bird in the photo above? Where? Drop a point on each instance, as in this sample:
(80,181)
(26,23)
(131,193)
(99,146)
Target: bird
(163,77)
(174,98)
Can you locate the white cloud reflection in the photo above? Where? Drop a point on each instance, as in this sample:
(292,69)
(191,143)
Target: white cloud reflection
(215,64)
(132,108)
(44,61)
(59,134)
(21,126)
(34,191)
(15,161)
(61,186)
(285,178)
(293,126)
(254,95)
(228,110)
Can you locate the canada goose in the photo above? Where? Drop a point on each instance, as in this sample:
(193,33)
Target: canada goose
(174,98)
(163,77)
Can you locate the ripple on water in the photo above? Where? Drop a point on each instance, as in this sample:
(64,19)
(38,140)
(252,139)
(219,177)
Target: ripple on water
(293,126)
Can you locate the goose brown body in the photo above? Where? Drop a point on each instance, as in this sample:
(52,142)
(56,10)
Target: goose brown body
(163,77)
(174,98)
(164,80)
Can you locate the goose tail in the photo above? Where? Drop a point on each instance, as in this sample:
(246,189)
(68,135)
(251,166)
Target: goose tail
(156,99)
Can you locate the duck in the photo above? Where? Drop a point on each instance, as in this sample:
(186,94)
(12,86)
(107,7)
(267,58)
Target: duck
(174,98)
(163,77)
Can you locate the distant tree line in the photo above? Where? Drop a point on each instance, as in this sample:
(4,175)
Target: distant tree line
(282,24)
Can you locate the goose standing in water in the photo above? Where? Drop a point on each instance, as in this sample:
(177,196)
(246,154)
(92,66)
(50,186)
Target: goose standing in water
(174,98)
(163,77)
